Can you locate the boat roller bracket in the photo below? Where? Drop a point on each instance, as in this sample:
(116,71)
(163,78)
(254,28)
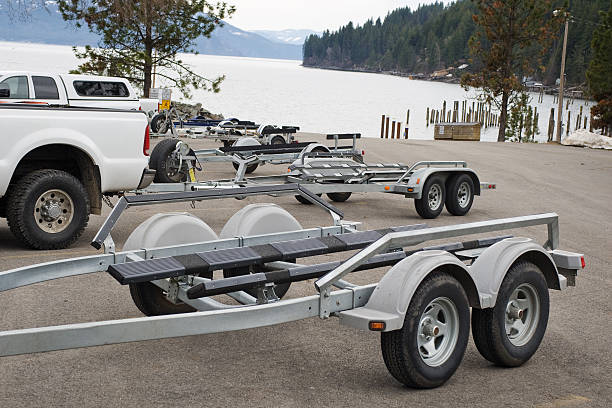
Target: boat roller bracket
(200,195)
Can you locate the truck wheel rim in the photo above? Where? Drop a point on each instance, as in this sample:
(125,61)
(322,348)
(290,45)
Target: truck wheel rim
(53,211)
(434,197)
(522,313)
(438,331)
(173,170)
(463,194)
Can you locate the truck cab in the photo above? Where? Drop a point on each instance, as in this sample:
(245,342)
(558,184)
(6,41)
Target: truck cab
(67,90)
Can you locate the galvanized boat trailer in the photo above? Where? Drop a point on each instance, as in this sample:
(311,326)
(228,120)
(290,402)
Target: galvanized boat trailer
(174,160)
(421,305)
(339,173)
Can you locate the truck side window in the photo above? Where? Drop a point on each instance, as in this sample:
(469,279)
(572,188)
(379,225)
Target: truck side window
(18,85)
(45,87)
(100,88)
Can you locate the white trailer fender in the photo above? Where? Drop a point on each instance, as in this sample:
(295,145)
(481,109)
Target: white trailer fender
(247,141)
(489,270)
(391,297)
(419,177)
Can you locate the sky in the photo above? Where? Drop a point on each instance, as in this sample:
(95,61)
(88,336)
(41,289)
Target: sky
(316,15)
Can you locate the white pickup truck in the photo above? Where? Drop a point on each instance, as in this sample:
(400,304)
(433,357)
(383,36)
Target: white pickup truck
(67,90)
(56,163)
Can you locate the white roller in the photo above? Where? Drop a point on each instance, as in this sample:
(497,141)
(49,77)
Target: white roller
(247,141)
(256,219)
(169,229)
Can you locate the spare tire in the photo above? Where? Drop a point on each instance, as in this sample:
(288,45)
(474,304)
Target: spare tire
(159,124)
(166,166)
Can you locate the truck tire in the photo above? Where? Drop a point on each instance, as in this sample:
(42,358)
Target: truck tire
(511,332)
(427,350)
(431,204)
(159,124)
(48,209)
(460,194)
(165,165)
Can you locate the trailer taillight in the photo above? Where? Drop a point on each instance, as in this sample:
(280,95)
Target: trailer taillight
(147,142)
(377,326)
(582,262)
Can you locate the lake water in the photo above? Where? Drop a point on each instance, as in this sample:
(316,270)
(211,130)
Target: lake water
(284,93)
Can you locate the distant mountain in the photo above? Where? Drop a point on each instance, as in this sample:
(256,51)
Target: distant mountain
(296,37)
(46,26)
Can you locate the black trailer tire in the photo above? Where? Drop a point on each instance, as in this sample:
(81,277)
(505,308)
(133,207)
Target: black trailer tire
(497,333)
(431,204)
(159,124)
(152,301)
(427,350)
(302,200)
(48,209)
(459,194)
(277,140)
(166,170)
(339,197)
(249,169)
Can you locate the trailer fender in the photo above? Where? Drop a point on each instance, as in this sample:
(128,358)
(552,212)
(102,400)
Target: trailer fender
(419,177)
(491,267)
(391,297)
(169,229)
(259,219)
(247,141)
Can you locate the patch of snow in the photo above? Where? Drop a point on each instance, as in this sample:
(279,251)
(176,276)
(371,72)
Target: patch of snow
(584,138)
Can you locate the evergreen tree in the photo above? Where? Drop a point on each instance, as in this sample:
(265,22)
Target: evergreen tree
(599,74)
(510,35)
(137,35)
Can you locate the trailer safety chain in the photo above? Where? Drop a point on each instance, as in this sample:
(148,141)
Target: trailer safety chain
(108,201)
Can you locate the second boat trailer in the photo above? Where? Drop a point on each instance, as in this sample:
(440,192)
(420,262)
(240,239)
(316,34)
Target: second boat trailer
(340,172)
(421,305)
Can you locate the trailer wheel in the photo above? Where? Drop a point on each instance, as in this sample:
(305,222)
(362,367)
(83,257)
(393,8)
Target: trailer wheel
(460,194)
(48,209)
(152,301)
(277,140)
(168,167)
(159,124)
(511,332)
(249,169)
(303,200)
(431,203)
(427,350)
(339,197)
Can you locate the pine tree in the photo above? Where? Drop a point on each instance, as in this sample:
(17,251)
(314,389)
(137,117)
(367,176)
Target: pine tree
(510,33)
(599,74)
(139,34)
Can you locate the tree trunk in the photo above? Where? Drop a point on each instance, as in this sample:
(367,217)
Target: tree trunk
(503,118)
(148,43)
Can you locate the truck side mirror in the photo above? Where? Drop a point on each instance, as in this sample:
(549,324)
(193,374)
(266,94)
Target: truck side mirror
(5,93)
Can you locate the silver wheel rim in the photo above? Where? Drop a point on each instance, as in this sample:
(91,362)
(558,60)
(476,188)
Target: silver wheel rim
(522,313)
(438,331)
(53,211)
(463,194)
(175,167)
(434,197)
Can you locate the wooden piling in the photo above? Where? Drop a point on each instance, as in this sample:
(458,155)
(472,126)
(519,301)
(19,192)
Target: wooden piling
(393,130)
(387,128)
(399,127)
(551,124)
(382,127)
(427,117)
(569,124)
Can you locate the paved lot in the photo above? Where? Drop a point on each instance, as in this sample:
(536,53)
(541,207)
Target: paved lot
(319,363)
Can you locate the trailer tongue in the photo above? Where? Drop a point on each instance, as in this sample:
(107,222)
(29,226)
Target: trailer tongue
(421,305)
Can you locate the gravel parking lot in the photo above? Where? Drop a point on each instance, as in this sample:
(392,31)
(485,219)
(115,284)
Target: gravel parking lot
(320,363)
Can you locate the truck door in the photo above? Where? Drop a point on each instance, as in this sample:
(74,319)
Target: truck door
(18,87)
